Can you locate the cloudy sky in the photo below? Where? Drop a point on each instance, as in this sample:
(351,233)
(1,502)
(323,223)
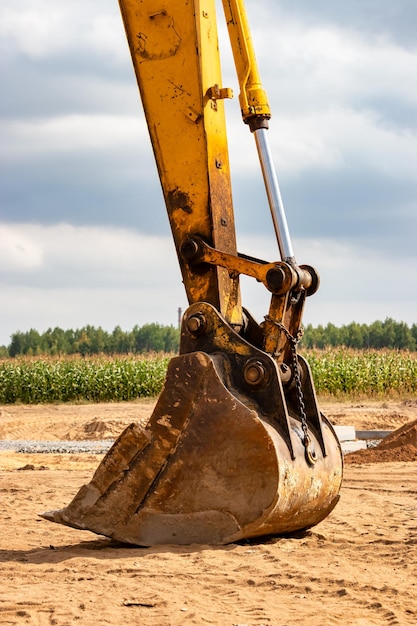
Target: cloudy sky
(84,237)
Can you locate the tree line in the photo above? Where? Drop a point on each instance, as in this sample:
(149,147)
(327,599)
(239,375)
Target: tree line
(158,338)
(387,334)
(91,340)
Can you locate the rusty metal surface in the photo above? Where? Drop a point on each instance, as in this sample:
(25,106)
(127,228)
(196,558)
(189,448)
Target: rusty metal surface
(222,457)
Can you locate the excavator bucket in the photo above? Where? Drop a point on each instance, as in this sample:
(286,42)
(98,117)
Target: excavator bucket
(223,456)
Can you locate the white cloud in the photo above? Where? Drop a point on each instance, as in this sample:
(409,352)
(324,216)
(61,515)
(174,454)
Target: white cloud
(81,256)
(330,140)
(73,276)
(43,308)
(18,250)
(72,133)
(317,65)
(40,29)
(324,86)
(344,139)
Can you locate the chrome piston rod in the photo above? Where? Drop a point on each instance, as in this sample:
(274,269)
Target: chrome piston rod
(274,196)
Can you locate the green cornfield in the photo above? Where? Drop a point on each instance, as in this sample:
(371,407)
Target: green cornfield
(80,379)
(337,372)
(355,373)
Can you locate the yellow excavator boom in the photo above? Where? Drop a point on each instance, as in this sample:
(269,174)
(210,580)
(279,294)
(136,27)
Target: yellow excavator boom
(236,446)
(175,56)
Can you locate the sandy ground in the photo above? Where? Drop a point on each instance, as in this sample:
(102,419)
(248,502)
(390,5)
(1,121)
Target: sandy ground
(358,567)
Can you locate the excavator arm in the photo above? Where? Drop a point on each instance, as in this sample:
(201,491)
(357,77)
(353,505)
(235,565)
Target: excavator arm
(174,47)
(236,446)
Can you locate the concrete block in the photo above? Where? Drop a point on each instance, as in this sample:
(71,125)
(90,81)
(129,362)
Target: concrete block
(352,446)
(345,433)
(372,434)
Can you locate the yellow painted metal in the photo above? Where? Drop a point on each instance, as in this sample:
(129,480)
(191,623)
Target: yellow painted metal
(252,98)
(174,47)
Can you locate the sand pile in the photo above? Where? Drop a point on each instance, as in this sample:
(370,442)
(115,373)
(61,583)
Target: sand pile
(401,445)
(96,429)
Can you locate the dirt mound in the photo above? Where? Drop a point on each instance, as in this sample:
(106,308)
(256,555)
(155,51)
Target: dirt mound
(401,445)
(97,429)
(387,415)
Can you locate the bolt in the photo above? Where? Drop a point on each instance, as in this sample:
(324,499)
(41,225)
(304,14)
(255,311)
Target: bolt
(254,373)
(285,372)
(196,324)
(275,278)
(189,249)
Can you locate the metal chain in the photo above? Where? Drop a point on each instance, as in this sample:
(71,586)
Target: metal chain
(294,341)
